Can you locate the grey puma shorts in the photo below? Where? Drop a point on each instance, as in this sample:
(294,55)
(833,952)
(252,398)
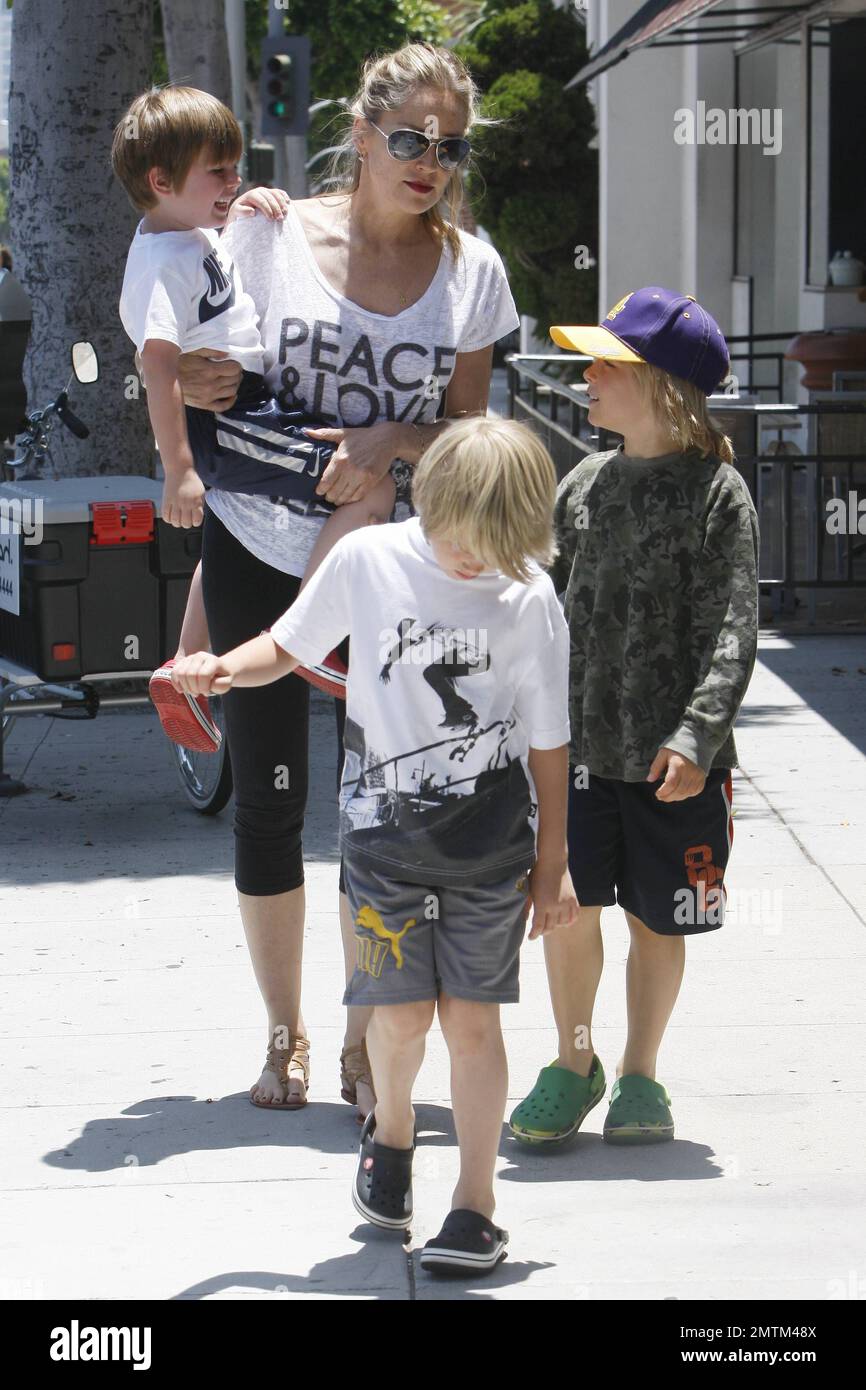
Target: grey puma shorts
(416,941)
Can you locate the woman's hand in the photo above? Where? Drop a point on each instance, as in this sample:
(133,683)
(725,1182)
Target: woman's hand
(206,383)
(182,498)
(363,456)
(273,202)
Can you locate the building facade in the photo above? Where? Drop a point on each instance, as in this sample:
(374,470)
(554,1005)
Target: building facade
(731,139)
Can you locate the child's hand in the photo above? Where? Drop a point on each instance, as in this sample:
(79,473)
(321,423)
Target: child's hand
(554,901)
(183,499)
(201,674)
(273,202)
(683,778)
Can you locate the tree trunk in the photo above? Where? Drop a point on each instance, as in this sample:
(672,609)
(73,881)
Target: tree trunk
(196,45)
(75,69)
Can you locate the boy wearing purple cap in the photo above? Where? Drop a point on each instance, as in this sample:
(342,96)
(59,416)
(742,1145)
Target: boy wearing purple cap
(658,550)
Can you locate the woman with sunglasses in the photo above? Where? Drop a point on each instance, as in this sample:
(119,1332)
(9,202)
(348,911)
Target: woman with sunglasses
(377,314)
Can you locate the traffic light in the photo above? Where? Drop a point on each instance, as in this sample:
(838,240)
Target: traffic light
(281,87)
(285,85)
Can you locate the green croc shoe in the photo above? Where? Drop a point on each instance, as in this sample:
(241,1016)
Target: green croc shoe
(557,1105)
(638,1112)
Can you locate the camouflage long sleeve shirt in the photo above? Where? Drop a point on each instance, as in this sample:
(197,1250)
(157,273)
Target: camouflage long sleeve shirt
(658,561)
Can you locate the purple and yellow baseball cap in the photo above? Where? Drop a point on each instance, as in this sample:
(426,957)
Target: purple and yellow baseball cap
(658,326)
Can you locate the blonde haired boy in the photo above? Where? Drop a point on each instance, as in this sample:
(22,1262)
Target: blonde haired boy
(658,563)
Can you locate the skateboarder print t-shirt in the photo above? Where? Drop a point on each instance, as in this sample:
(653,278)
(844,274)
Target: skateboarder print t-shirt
(451,682)
(347,365)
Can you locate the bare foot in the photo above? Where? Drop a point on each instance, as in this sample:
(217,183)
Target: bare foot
(269,1088)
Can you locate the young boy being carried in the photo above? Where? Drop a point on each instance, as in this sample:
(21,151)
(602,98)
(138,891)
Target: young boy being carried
(658,560)
(456,730)
(175,151)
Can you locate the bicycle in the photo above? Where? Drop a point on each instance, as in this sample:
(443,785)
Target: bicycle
(35,439)
(206,779)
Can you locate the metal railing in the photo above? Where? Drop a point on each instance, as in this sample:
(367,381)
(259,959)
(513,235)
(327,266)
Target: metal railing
(799,486)
(743,353)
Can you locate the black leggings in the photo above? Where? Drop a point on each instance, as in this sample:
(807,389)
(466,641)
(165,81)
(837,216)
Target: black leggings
(267,728)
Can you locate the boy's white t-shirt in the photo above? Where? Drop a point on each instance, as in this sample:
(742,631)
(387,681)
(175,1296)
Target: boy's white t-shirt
(451,682)
(183,288)
(347,365)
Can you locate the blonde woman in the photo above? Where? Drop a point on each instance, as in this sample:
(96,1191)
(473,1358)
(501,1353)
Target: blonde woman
(374,309)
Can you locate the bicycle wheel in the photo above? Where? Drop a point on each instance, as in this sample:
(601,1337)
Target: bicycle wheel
(206,778)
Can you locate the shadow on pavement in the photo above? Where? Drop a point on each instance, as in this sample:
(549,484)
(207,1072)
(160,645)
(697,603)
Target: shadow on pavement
(829,675)
(152,1130)
(590,1159)
(346,1275)
(149,1131)
(361,1273)
(104,802)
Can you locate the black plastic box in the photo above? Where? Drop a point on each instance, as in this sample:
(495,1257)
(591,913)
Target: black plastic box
(92,581)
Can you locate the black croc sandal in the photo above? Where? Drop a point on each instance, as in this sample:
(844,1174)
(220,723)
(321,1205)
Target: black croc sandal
(382,1191)
(467,1243)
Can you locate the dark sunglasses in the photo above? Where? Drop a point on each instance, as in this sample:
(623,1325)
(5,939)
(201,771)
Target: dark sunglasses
(406,145)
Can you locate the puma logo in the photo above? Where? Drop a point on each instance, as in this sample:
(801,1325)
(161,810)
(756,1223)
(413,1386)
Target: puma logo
(368,917)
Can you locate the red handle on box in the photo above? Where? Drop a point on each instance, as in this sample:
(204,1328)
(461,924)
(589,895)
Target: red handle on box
(122,523)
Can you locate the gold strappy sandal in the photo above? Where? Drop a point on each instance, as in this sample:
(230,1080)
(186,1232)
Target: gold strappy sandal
(355,1067)
(286,1062)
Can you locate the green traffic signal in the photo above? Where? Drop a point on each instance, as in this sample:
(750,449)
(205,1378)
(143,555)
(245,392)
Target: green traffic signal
(280,86)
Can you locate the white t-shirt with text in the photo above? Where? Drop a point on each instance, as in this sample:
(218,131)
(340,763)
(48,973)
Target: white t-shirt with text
(347,365)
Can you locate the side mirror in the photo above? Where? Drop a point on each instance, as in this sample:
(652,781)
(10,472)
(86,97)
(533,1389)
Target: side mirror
(85,363)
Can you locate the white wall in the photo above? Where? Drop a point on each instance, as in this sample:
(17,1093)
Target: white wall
(665,209)
(643,174)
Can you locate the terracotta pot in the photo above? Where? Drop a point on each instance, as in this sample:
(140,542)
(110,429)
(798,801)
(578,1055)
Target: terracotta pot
(827,351)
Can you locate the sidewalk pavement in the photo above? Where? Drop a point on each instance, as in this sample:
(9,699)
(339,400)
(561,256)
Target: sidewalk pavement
(123,956)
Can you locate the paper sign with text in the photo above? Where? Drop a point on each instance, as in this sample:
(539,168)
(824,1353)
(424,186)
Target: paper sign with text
(10,572)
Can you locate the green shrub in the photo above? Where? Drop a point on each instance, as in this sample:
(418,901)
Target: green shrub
(535,188)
